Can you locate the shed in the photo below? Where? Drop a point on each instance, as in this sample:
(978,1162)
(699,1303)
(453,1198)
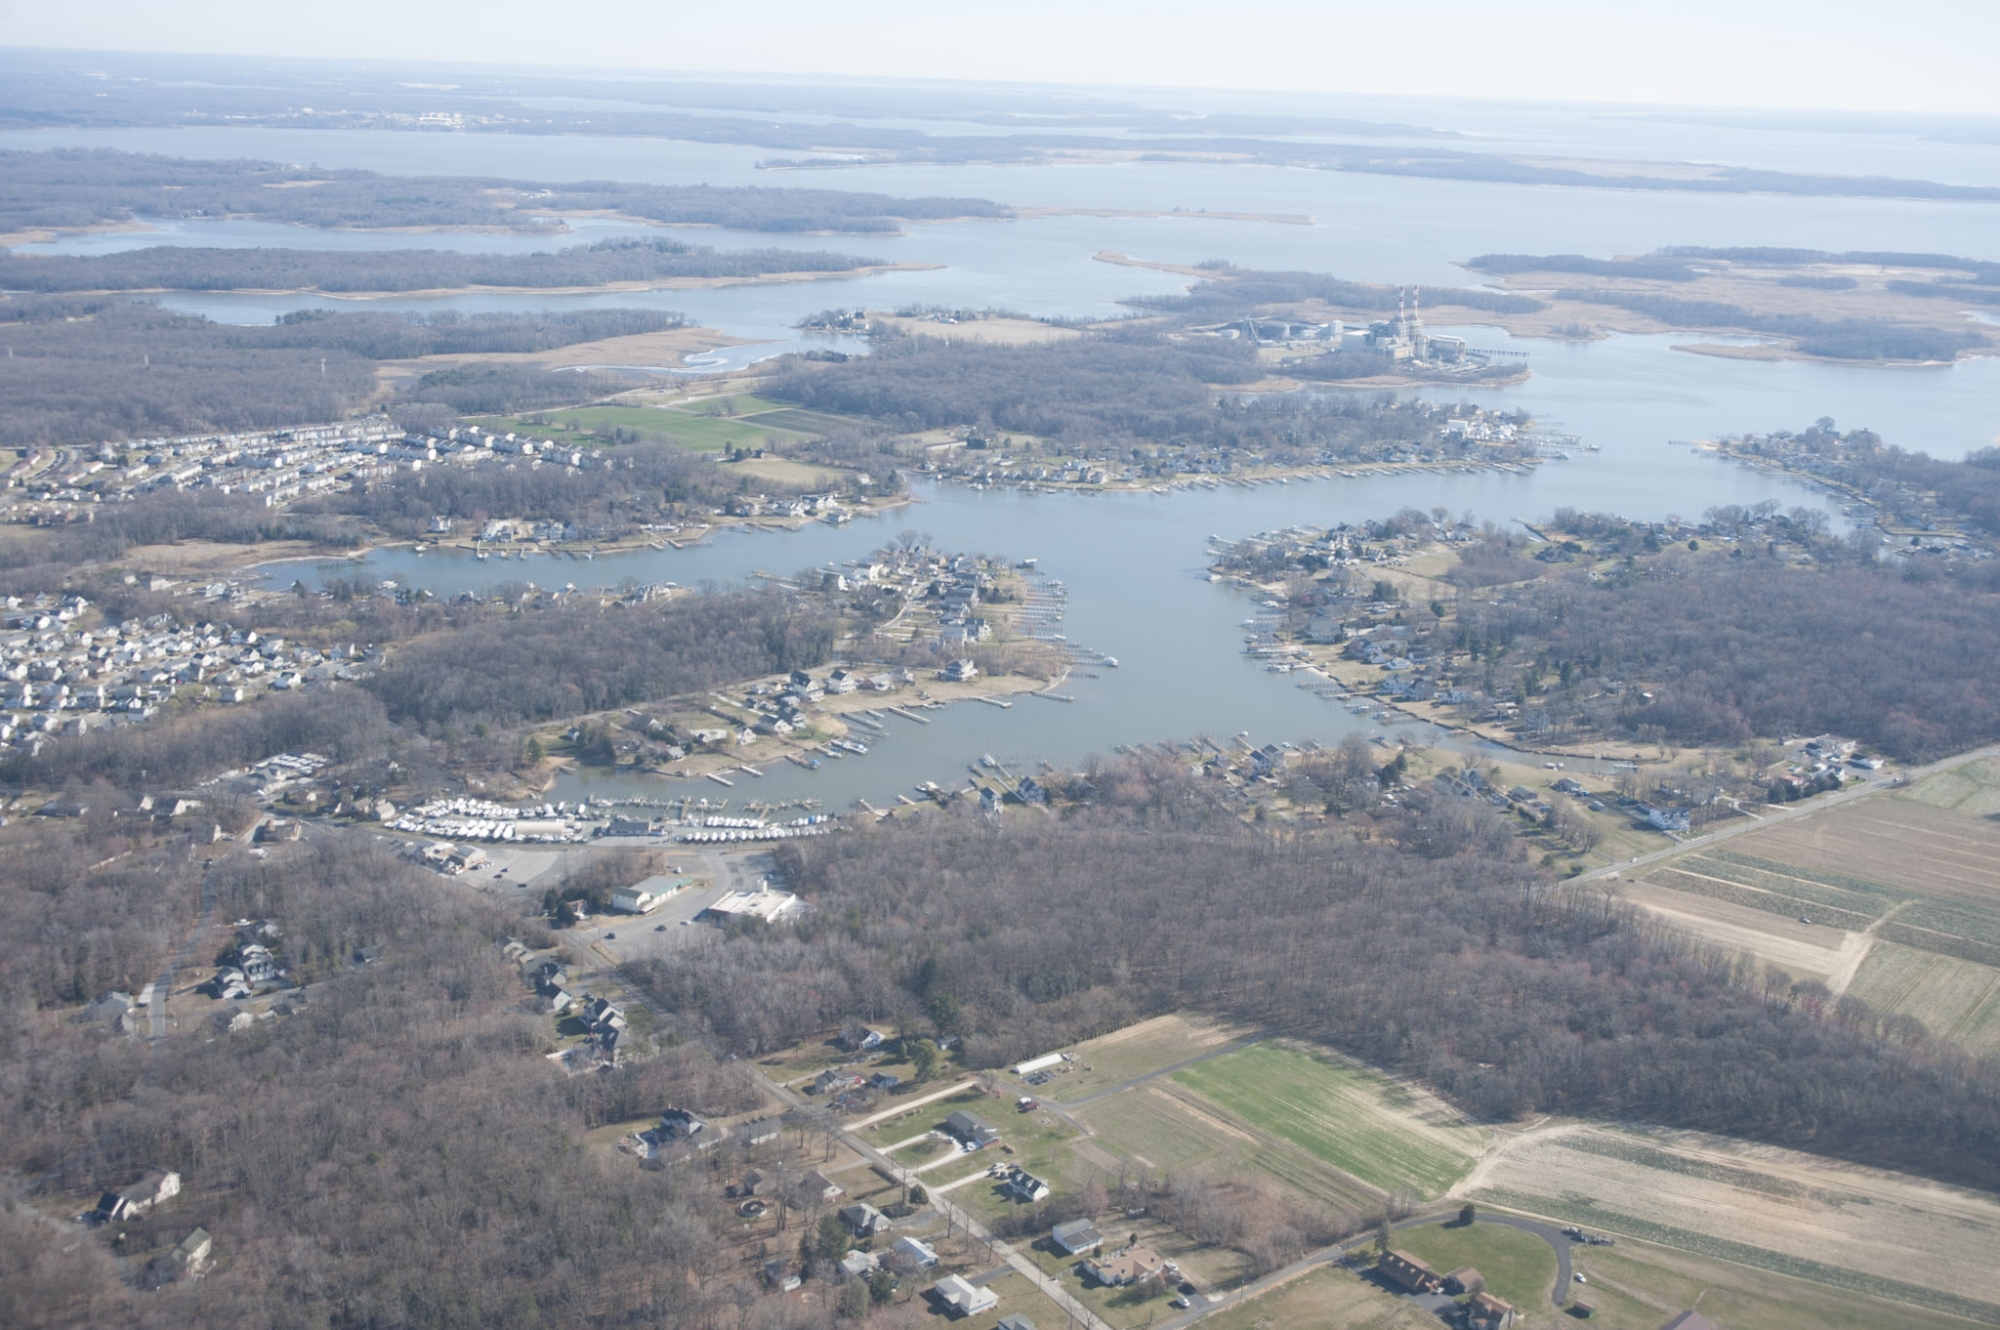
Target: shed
(1465,1279)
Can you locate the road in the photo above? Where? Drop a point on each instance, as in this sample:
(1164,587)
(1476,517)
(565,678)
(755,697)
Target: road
(1817,803)
(1021,1261)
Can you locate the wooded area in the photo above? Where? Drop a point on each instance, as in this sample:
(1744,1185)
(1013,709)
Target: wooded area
(79,187)
(1446,959)
(1104,391)
(81,369)
(1739,645)
(189,268)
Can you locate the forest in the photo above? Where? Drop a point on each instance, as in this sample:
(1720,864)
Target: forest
(1103,392)
(1735,641)
(80,369)
(81,187)
(1233,292)
(552,662)
(187,268)
(1441,956)
(392,1153)
(1836,339)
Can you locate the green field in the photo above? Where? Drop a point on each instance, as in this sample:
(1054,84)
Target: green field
(1158,1132)
(1355,1119)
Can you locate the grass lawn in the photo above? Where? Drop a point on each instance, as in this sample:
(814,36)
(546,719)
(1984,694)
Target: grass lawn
(1355,1119)
(1518,1266)
(1324,1299)
(926,1117)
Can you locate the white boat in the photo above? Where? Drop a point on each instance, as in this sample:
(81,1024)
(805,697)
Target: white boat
(1112,661)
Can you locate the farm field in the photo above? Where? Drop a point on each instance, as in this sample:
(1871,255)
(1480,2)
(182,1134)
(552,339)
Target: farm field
(1324,1299)
(1162,1128)
(1972,790)
(1517,1266)
(1806,951)
(1894,899)
(1918,847)
(1383,1132)
(1638,1286)
(1952,997)
(1864,1231)
(1138,1050)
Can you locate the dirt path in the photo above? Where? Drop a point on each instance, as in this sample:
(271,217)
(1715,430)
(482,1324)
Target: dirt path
(1854,950)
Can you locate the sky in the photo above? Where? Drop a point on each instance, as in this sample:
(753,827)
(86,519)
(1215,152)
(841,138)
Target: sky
(1928,56)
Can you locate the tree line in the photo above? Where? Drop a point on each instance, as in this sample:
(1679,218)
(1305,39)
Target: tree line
(188,268)
(78,187)
(82,369)
(1101,392)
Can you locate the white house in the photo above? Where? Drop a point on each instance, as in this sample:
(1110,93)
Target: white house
(963,1299)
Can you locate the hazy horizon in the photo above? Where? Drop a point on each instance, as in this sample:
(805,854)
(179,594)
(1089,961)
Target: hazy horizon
(1704,55)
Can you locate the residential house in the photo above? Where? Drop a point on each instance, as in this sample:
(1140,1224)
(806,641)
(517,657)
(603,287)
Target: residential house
(1076,1237)
(1409,1273)
(1014,1321)
(1128,1267)
(917,1253)
(678,1124)
(1487,1312)
(1025,1186)
(817,1185)
(153,1186)
(964,1299)
(1662,819)
(973,1133)
(960,671)
(860,1264)
(864,1219)
(834,1079)
(860,1039)
(256,962)
(886,1081)
(191,1256)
